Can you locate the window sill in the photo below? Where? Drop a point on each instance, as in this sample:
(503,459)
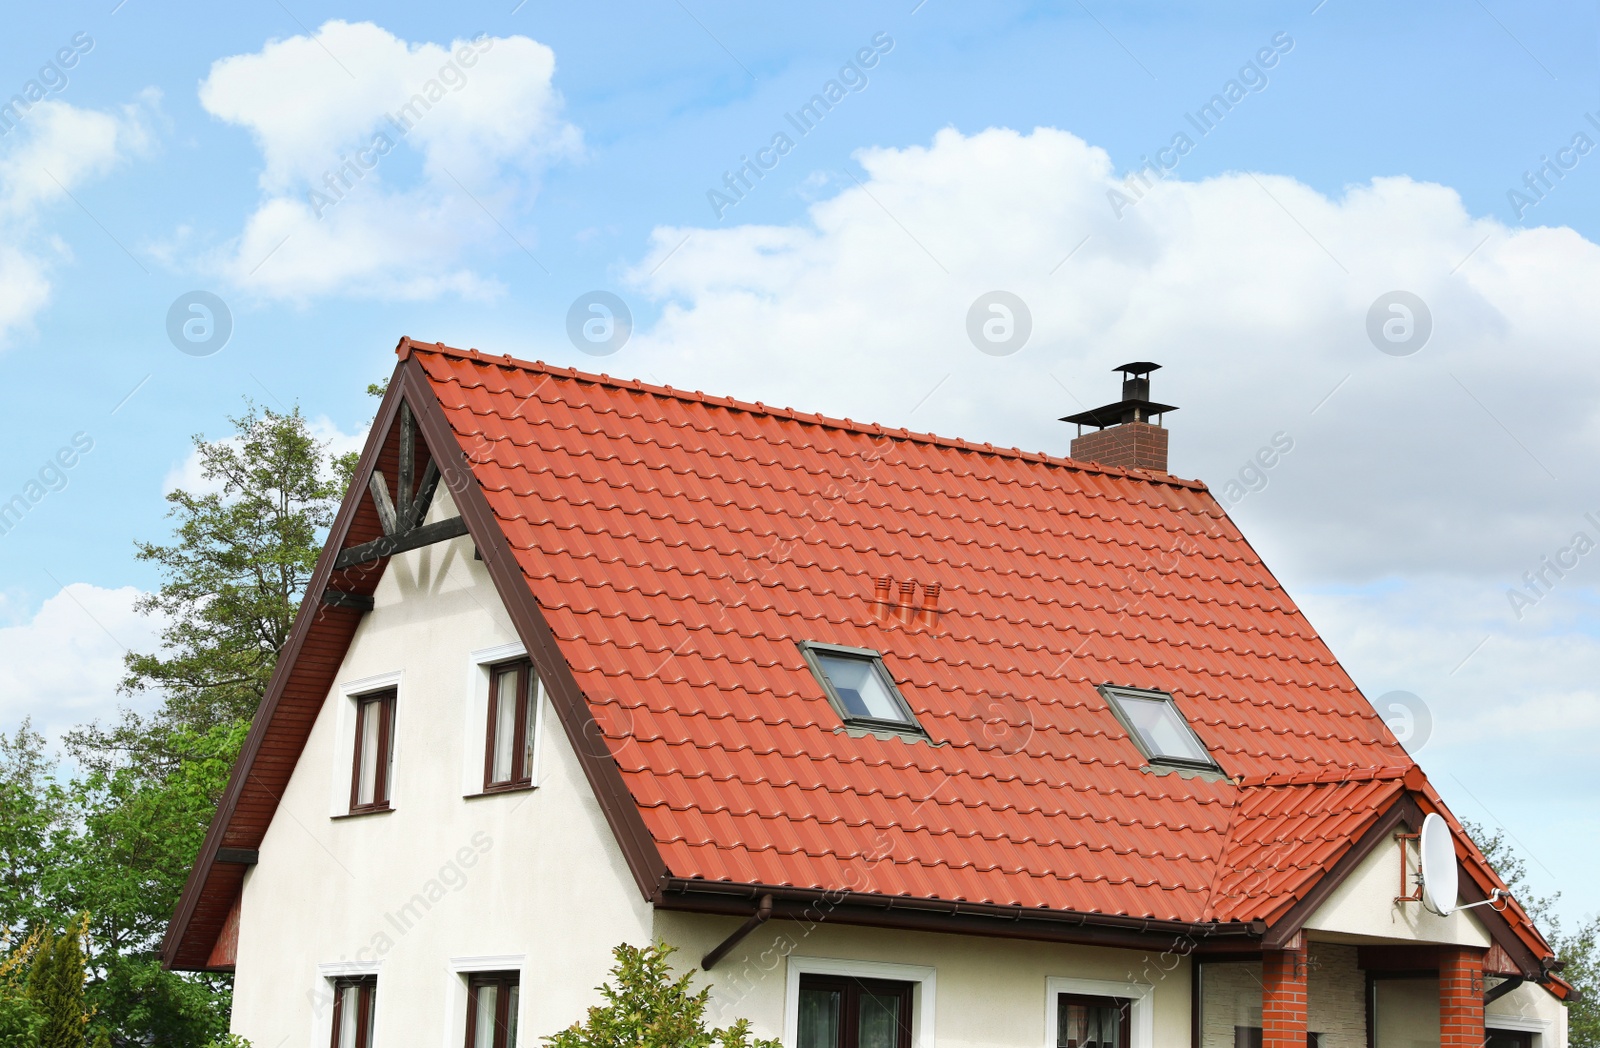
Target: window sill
(362,812)
(495,791)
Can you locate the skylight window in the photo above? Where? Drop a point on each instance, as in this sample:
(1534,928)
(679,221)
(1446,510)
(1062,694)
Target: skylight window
(1157,727)
(859,686)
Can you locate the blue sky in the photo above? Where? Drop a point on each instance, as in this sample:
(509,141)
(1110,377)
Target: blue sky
(1377,153)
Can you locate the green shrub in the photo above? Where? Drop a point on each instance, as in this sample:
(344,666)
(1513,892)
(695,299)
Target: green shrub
(647,1008)
(55,988)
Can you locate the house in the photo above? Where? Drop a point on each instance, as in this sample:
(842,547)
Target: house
(905,741)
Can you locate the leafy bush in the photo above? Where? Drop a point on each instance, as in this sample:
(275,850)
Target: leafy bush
(55,986)
(647,1008)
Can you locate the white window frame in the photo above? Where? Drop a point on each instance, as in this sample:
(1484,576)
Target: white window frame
(1540,1028)
(1141,1007)
(344,730)
(322,1018)
(924,982)
(455,1005)
(480,665)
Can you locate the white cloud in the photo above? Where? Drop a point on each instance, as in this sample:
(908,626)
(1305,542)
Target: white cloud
(1511,707)
(62,664)
(53,149)
(1253,290)
(1413,498)
(341,118)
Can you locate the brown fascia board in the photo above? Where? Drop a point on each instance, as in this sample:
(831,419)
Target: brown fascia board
(1402,813)
(572,708)
(174,954)
(812,906)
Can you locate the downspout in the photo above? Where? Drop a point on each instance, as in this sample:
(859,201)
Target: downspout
(1511,983)
(755,920)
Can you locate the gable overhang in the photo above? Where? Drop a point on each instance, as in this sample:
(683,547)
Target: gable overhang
(198,935)
(1522,947)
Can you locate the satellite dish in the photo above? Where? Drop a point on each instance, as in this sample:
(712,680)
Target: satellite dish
(1440,888)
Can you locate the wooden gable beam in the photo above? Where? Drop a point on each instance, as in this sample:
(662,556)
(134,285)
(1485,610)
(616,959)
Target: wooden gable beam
(402,515)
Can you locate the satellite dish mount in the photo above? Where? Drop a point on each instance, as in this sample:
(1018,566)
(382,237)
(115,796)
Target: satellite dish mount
(1438,878)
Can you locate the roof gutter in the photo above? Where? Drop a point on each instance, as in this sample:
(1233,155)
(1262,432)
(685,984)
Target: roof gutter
(812,906)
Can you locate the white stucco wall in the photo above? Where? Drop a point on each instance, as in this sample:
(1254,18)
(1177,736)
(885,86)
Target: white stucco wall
(1364,906)
(546,881)
(1531,1008)
(986,991)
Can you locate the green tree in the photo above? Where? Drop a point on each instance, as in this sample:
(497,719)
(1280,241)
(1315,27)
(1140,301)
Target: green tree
(1578,951)
(32,810)
(233,576)
(131,841)
(232,579)
(647,1008)
(20,1021)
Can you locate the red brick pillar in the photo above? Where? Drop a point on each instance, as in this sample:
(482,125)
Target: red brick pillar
(1460,997)
(1283,998)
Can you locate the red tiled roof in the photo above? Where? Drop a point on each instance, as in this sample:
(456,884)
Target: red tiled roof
(679,545)
(675,548)
(1289,830)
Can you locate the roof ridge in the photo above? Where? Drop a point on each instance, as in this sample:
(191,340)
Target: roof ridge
(1410,774)
(408,345)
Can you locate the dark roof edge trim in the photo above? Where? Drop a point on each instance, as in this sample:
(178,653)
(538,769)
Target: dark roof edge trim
(816,905)
(310,611)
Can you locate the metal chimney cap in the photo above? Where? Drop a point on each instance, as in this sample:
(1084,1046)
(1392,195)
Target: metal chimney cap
(1138,367)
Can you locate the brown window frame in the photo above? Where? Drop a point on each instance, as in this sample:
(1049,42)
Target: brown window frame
(504,981)
(526,725)
(366,1000)
(381,786)
(850,988)
(1124,1028)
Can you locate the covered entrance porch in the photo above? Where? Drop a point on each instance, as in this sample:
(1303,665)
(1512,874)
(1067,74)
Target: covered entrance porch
(1332,994)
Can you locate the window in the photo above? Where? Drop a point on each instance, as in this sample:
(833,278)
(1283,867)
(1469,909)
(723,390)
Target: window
(374,754)
(1092,1022)
(513,707)
(1509,1039)
(859,686)
(492,1000)
(1157,727)
(354,1004)
(846,1012)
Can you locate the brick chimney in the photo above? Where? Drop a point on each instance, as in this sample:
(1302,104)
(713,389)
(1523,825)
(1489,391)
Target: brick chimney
(1123,433)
